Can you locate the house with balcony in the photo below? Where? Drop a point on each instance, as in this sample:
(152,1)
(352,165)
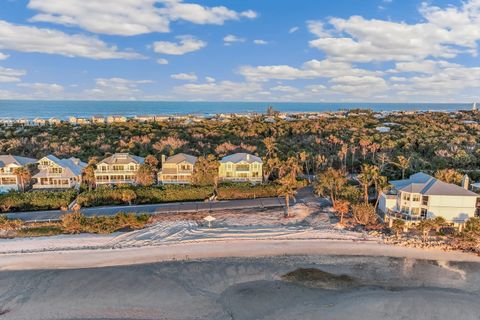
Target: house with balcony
(177,169)
(55,173)
(422,196)
(241,167)
(119,168)
(9,181)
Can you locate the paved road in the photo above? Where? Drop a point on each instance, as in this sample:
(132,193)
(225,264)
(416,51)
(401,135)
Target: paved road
(154,208)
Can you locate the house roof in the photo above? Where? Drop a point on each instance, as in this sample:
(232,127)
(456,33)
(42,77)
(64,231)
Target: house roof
(122,158)
(429,186)
(241,157)
(72,167)
(6,160)
(181,157)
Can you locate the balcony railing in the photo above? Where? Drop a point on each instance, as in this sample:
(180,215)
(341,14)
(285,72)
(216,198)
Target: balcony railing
(403,216)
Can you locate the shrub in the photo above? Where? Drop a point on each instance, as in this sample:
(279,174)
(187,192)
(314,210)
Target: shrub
(230,191)
(364,214)
(36,200)
(78,223)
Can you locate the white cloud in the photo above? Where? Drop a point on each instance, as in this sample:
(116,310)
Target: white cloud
(115,89)
(293,30)
(43,87)
(289,89)
(445,34)
(10,75)
(317,28)
(260,42)
(130,17)
(310,70)
(224,90)
(3,56)
(210,79)
(229,39)
(33,39)
(162,61)
(185,76)
(185,45)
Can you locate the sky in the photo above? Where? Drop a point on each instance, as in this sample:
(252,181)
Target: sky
(241,50)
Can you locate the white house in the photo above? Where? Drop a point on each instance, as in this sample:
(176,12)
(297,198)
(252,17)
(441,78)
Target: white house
(8,164)
(423,196)
(55,173)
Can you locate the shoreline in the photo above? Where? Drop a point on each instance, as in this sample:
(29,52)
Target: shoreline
(95,258)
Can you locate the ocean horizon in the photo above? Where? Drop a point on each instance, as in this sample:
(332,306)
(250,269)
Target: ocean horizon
(62,109)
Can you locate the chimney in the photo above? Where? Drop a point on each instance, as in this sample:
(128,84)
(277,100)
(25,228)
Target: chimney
(248,157)
(163,159)
(466,182)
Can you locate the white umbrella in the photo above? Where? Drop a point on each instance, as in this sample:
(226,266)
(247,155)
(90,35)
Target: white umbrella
(209,218)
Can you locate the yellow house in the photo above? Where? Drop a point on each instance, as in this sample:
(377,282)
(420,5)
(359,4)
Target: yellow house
(241,167)
(119,168)
(177,169)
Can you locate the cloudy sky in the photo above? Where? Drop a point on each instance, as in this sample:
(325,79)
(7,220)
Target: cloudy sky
(241,50)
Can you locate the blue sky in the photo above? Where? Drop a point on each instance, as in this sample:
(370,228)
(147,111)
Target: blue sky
(248,50)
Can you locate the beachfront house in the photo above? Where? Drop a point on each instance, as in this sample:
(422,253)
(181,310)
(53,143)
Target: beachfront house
(119,168)
(144,118)
(177,169)
(39,122)
(241,167)
(422,196)
(9,181)
(78,121)
(97,119)
(55,173)
(54,121)
(116,119)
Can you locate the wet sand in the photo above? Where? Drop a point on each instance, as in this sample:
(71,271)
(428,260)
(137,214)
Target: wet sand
(344,287)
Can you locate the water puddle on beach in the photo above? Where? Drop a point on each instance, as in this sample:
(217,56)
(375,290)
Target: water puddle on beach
(287,287)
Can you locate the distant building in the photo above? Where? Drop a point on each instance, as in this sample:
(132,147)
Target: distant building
(39,122)
(78,121)
(97,119)
(144,118)
(422,196)
(116,119)
(55,173)
(119,168)
(383,129)
(241,167)
(474,107)
(9,181)
(177,169)
(54,121)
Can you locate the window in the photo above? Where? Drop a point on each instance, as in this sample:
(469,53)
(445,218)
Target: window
(416,197)
(425,200)
(406,196)
(415,211)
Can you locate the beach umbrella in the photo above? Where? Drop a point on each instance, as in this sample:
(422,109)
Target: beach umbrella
(209,218)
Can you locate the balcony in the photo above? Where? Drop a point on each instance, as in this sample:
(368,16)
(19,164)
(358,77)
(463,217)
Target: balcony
(403,216)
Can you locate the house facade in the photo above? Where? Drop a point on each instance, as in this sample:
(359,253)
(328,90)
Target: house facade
(55,173)
(422,196)
(9,181)
(177,169)
(241,167)
(119,168)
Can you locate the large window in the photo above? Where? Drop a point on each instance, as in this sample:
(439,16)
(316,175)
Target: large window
(243,167)
(416,197)
(425,200)
(406,196)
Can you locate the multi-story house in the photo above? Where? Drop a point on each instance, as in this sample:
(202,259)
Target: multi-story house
(119,168)
(40,122)
(116,119)
(9,181)
(98,119)
(422,196)
(78,121)
(144,118)
(241,167)
(55,173)
(177,169)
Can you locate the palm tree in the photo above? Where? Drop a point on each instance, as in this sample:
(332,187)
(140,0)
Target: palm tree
(287,190)
(205,171)
(128,196)
(366,179)
(24,176)
(383,159)
(331,182)
(304,156)
(342,207)
(449,176)
(89,174)
(403,163)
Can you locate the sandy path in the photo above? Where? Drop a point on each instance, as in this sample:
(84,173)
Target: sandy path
(217,249)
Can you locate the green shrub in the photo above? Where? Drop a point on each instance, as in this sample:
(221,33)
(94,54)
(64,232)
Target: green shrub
(78,223)
(229,191)
(36,200)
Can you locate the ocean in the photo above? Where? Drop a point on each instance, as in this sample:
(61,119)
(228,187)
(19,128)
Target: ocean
(30,109)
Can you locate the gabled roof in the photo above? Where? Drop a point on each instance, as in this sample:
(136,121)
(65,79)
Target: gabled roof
(429,186)
(72,167)
(122,158)
(6,160)
(181,157)
(241,157)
